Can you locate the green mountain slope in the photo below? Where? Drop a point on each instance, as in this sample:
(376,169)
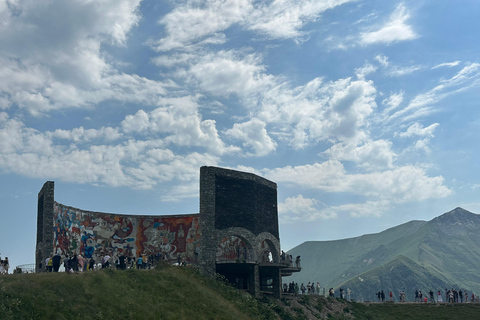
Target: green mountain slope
(332,262)
(448,247)
(400,274)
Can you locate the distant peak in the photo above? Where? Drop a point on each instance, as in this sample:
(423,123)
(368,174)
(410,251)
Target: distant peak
(457,215)
(459,210)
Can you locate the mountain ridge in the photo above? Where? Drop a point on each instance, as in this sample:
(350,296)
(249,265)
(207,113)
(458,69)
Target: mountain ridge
(448,247)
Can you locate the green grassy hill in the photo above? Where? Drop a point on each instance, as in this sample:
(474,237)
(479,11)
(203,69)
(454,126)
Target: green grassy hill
(180,293)
(163,293)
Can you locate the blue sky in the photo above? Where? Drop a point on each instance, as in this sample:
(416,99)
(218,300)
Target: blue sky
(365,113)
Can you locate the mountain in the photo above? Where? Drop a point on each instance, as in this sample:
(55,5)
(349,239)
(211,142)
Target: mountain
(446,249)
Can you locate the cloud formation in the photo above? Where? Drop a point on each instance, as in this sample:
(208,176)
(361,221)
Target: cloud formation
(394,30)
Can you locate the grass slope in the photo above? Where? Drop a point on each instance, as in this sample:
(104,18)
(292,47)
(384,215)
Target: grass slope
(164,293)
(178,293)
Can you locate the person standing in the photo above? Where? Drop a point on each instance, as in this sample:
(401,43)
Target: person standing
(6,265)
(81,262)
(46,264)
(56,260)
(439,298)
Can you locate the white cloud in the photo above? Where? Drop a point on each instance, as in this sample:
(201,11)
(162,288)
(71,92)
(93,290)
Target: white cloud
(178,123)
(366,209)
(192,21)
(195,22)
(134,163)
(226,72)
(394,30)
(83,135)
(285,19)
(393,70)
(319,112)
(447,64)
(402,184)
(383,60)
(371,155)
(393,101)
(302,209)
(421,104)
(417,129)
(254,136)
(60,62)
(402,71)
(367,69)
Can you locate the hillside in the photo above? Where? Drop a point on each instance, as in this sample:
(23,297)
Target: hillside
(178,293)
(163,293)
(400,274)
(447,247)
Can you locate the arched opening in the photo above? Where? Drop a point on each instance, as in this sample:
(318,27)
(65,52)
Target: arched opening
(234,249)
(236,258)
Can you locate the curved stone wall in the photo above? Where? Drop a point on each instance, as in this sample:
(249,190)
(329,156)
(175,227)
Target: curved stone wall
(95,234)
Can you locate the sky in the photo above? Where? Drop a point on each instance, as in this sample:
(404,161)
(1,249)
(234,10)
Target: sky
(365,113)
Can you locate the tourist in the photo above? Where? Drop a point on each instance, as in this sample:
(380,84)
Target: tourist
(91,264)
(139,262)
(81,262)
(56,260)
(439,298)
(318,289)
(46,264)
(122,262)
(107,261)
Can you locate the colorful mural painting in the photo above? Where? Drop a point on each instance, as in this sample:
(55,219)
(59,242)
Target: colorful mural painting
(234,249)
(94,235)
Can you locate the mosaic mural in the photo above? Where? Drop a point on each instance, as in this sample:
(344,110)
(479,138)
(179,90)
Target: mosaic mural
(96,234)
(234,249)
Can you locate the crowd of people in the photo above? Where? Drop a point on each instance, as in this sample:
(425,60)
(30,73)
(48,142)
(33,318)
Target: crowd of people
(310,288)
(287,259)
(451,296)
(4,265)
(77,263)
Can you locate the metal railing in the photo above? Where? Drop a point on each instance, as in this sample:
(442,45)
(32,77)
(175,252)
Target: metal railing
(25,268)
